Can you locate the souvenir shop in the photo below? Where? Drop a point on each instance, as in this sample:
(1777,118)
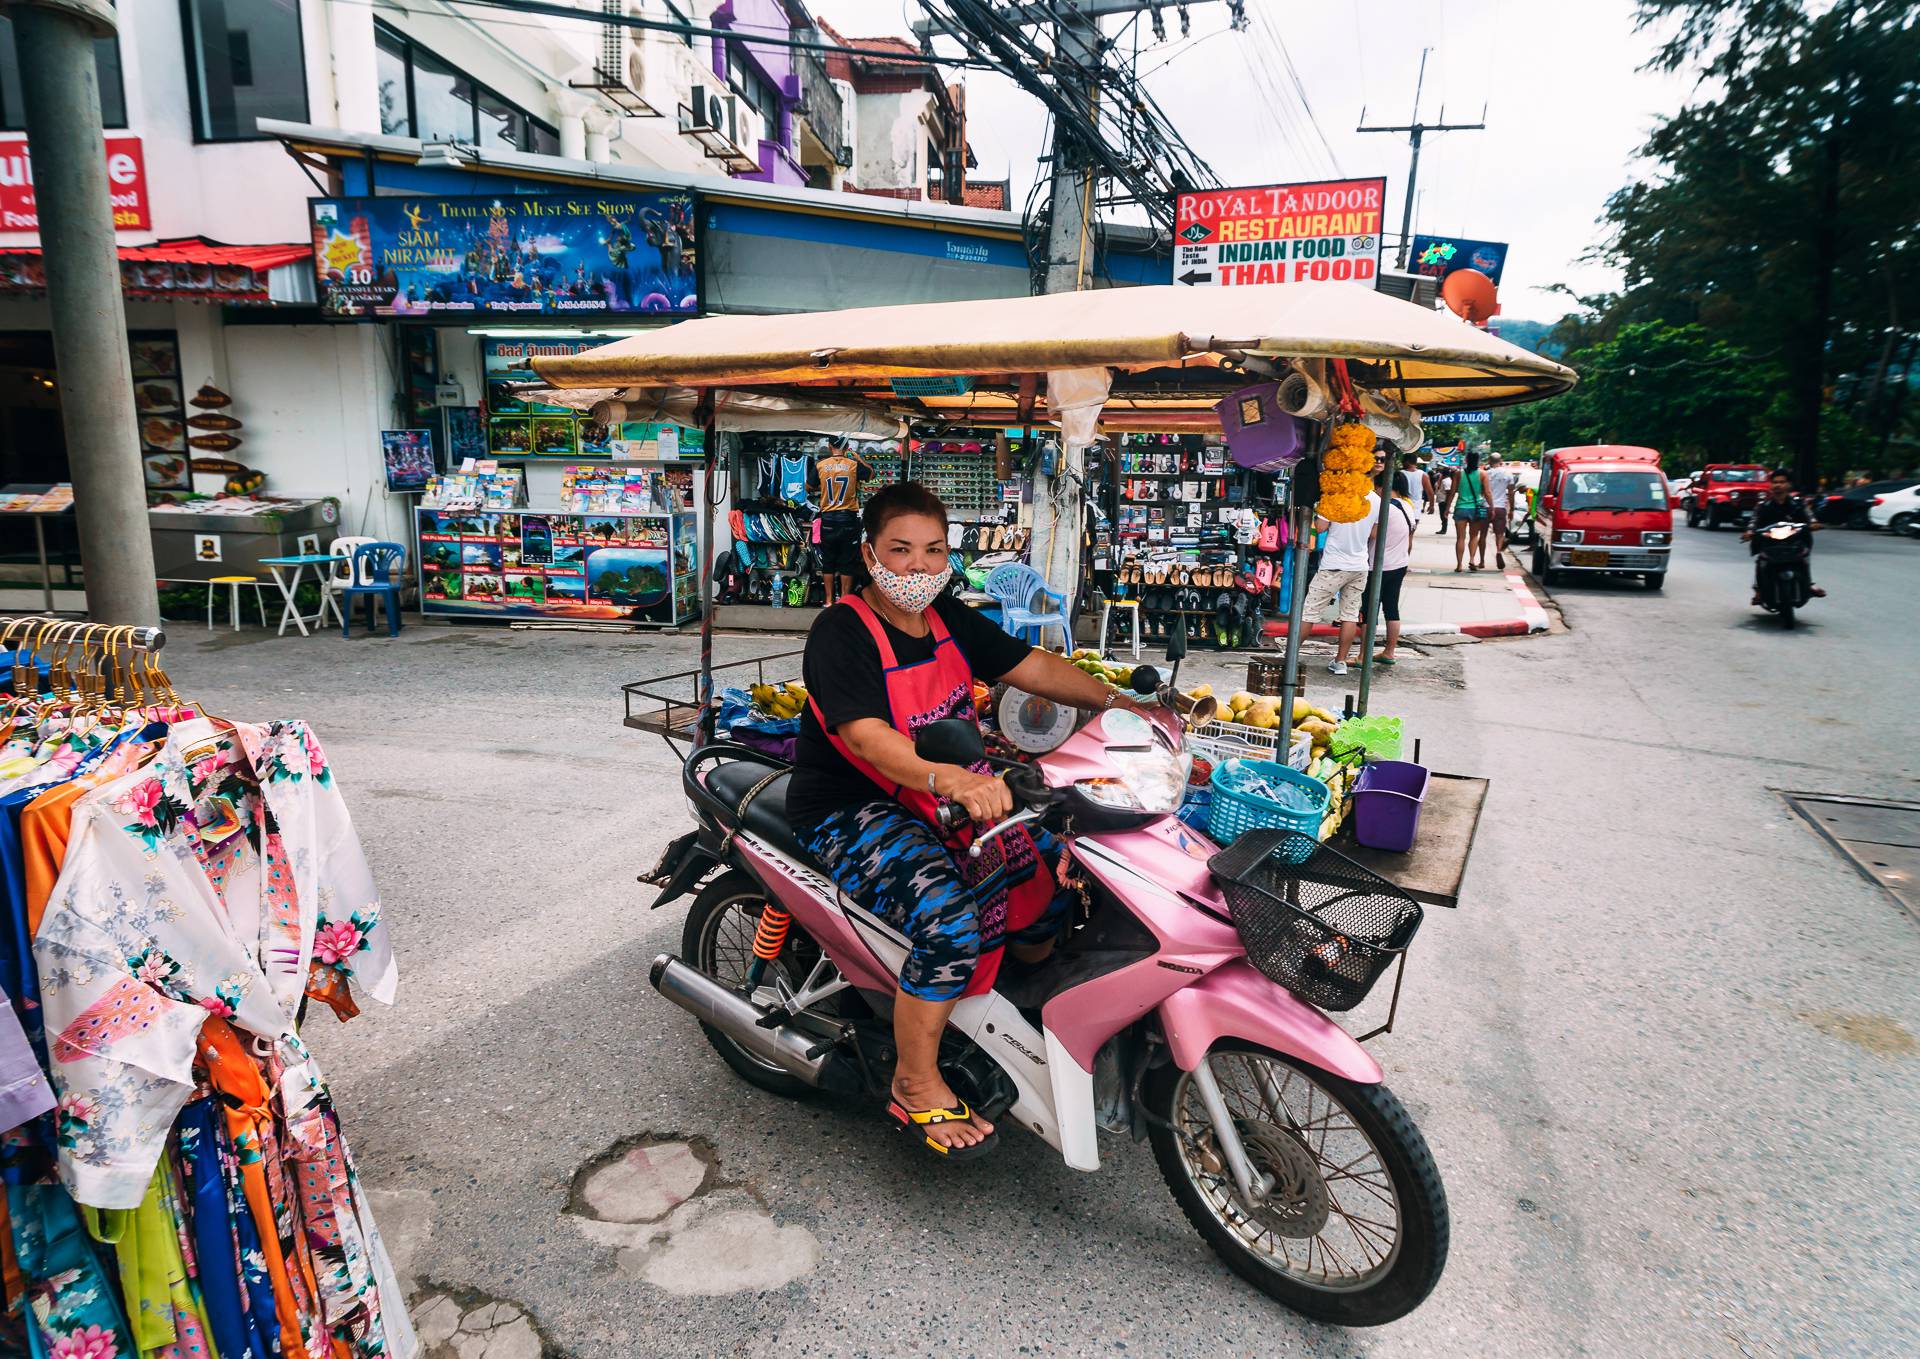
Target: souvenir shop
(184,891)
(1189,537)
(793,493)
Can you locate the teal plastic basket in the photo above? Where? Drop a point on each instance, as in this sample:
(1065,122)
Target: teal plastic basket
(1265,795)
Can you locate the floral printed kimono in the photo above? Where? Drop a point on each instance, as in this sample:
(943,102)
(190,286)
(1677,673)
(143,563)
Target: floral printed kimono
(217,889)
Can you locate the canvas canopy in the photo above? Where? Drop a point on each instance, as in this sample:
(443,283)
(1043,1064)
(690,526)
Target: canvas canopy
(1175,352)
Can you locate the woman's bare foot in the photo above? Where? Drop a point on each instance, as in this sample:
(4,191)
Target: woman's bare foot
(916,1093)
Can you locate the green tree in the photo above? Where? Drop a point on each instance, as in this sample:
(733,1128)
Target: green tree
(1679,389)
(1783,213)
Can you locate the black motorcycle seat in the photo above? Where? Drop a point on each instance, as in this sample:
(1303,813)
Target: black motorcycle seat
(766,814)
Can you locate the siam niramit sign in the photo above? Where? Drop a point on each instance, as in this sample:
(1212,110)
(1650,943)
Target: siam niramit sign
(539,254)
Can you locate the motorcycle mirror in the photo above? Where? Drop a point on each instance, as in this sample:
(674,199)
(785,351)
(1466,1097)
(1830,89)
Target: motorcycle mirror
(1146,680)
(951,740)
(1177,641)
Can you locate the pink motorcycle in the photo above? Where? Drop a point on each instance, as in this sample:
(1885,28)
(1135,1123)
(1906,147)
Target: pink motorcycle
(1162,1015)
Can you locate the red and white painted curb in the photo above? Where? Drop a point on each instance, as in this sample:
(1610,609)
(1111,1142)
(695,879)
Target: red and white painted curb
(1531,618)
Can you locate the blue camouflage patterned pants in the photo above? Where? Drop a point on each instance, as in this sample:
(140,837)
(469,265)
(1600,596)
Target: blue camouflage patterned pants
(891,862)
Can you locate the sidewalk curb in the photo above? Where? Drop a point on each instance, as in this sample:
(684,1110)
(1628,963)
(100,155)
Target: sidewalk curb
(1531,619)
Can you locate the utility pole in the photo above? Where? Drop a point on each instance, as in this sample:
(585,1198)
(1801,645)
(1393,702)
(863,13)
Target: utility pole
(60,92)
(1415,130)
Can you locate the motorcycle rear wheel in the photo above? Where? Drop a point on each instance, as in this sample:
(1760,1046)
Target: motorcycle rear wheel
(718,940)
(1357,1230)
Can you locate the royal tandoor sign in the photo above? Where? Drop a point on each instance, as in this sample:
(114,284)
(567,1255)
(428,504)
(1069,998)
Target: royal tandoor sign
(1282,233)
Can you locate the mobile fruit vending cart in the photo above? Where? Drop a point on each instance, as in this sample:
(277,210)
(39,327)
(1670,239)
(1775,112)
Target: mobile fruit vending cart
(1282,364)
(1305,376)
(1197,961)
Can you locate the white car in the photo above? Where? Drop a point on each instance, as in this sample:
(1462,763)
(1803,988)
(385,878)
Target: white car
(1897,510)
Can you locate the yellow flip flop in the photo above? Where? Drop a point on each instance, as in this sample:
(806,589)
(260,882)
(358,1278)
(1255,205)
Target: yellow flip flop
(918,1120)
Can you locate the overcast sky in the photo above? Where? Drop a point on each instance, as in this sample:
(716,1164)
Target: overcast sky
(1566,107)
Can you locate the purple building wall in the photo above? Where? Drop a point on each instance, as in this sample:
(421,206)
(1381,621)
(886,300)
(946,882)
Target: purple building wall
(777,162)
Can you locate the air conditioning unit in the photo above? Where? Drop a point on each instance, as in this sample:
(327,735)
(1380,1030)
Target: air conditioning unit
(1418,289)
(749,129)
(619,73)
(727,130)
(708,115)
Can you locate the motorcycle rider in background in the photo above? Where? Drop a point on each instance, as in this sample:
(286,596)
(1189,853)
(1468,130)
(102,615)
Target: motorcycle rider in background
(1781,506)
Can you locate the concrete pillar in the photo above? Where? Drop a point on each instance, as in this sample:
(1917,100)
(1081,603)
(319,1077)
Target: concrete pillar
(573,136)
(60,92)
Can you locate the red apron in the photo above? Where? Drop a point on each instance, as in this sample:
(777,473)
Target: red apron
(1009,880)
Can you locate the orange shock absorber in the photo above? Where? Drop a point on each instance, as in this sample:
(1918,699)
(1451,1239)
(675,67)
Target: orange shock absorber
(771,936)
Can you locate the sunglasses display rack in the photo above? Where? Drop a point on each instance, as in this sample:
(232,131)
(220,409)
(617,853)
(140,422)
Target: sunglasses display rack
(960,471)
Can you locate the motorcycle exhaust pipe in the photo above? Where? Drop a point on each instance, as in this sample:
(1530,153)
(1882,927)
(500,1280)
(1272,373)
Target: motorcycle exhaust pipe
(738,1018)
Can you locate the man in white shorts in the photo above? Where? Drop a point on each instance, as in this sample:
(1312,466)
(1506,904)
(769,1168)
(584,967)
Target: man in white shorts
(1344,564)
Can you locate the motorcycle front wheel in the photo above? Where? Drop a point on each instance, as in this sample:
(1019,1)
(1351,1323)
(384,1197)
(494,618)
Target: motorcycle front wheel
(1355,1229)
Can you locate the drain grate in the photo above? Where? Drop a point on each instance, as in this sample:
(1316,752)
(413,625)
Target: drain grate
(1881,838)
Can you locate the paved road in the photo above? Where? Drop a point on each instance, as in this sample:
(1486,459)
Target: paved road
(1664,1055)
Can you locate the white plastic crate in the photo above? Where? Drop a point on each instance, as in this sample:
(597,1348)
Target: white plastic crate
(1227,740)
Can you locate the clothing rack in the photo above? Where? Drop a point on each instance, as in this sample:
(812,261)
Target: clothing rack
(104,663)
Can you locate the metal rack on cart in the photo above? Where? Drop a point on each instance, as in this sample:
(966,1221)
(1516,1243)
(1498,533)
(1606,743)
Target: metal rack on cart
(669,705)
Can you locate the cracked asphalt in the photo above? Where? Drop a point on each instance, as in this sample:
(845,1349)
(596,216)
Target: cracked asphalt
(1664,1053)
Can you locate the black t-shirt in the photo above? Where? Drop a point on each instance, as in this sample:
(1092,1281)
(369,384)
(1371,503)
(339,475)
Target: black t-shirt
(842,674)
(1767,513)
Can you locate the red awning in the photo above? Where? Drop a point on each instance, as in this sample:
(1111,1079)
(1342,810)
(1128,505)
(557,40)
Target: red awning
(192,267)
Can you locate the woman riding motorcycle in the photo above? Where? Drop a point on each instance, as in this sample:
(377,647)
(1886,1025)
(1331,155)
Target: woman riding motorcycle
(881,664)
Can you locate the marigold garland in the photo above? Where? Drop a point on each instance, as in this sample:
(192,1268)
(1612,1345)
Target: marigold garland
(1342,509)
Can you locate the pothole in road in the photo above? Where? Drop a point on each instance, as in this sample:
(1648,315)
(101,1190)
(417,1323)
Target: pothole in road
(678,1225)
(456,1323)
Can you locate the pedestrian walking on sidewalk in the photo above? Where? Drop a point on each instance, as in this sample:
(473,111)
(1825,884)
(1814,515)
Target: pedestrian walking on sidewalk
(1342,575)
(1445,482)
(1394,563)
(1500,485)
(1470,517)
(1422,489)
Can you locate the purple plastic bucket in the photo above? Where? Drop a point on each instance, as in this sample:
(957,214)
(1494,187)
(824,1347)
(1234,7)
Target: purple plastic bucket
(1387,802)
(1261,436)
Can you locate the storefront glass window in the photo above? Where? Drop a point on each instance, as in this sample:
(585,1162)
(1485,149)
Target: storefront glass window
(752,88)
(442,101)
(501,124)
(425,97)
(246,62)
(390,65)
(106,60)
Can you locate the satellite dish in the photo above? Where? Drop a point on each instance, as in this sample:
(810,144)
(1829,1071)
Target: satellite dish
(1470,295)
(1031,723)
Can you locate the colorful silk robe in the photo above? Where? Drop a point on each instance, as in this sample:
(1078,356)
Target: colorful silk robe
(223,879)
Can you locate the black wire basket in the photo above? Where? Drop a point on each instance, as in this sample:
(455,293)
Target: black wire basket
(1323,927)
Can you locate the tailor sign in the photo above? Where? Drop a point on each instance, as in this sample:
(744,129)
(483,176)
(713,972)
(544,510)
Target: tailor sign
(1326,231)
(126,185)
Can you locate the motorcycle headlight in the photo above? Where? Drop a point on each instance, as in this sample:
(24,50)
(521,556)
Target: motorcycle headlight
(1655,539)
(1569,536)
(1152,781)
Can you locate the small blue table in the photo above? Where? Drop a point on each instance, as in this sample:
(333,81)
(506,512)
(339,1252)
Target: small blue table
(321,562)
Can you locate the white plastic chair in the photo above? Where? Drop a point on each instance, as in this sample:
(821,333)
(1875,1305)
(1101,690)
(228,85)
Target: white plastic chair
(339,574)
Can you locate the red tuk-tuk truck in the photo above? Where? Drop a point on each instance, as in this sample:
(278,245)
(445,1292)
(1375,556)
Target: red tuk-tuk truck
(1726,493)
(1602,510)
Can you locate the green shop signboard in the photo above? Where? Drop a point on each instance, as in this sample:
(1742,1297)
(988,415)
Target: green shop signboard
(519,430)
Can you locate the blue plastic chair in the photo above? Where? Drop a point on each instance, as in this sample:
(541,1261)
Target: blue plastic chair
(1017,585)
(372,567)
